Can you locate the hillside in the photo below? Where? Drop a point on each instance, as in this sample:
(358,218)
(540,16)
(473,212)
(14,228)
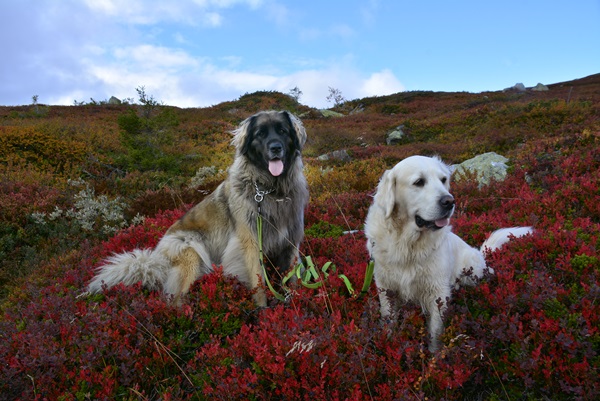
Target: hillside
(80,182)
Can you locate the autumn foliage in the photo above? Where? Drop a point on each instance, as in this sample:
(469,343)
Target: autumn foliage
(530,331)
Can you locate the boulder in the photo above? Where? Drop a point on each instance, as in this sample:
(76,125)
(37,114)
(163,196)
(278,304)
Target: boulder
(518,87)
(357,110)
(341,155)
(330,113)
(486,167)
(114,100)
(395,136)
(540,88)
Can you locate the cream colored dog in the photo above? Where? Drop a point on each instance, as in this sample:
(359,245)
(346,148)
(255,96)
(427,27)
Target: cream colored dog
(417,257)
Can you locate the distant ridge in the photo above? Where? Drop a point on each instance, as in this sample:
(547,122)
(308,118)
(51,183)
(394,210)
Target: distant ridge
(593,79)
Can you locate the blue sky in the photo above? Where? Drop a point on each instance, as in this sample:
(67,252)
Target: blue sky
(197,53)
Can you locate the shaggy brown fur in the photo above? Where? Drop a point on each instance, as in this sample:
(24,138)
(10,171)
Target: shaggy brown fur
(221,230)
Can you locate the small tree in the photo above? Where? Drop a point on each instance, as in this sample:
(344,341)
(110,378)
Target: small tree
(149,104)
(335,96)
(34,100)
(295,93)
(145,135)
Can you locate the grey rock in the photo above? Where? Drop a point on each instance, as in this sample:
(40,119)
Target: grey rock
(114,100)
(330,113)
(395,136)
(341,155)
(486,167)
(540,88)
(357,110)
(518,87)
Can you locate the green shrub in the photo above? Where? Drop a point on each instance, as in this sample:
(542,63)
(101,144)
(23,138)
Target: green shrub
(323,229)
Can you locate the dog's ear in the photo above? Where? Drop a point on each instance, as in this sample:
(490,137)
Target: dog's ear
(386,193)
(298,127)
(450,168)
(242,135)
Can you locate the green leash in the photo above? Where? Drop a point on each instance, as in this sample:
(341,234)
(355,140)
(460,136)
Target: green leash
(261,257)
(310,272)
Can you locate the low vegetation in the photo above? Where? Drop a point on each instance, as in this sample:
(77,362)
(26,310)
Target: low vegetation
(79,183)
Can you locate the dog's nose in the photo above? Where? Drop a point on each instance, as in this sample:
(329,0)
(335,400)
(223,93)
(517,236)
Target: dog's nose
(275,148)
(447,202)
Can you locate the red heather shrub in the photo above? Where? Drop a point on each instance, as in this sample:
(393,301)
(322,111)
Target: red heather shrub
(530,331)
(22,240)
(309,350)
(113,345)
(18,200)
(537,317)
(347,210)
(107,346)
(348,252)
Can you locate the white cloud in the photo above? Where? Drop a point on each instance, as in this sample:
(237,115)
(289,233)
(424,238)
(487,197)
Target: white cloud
(381,83)
(352,84)
(147,12)
(134,11)
(213,19)
(108,7)
(162,71)
(102,54)
(244,81)
(342,31)
(148,57)
(232,61)
(178,79)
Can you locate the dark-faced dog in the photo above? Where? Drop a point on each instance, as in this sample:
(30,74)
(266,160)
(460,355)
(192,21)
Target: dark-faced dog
(222,229)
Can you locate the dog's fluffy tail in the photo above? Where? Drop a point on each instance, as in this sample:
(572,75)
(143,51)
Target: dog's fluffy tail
(502,236)
(140,265)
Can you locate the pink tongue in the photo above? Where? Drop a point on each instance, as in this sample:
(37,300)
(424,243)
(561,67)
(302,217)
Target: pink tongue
(276,167)
(442,222)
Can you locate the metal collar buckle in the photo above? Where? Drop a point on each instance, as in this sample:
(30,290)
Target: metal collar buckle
(260,195)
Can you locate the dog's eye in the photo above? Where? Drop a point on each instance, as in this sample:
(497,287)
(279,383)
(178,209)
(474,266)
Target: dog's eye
(444,179)
(419,183)
(282,131)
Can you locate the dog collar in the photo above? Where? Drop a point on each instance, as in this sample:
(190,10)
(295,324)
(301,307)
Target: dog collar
(260,195)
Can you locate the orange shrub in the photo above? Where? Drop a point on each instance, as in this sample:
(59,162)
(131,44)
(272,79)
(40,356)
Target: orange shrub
(40,149)
(357,176)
